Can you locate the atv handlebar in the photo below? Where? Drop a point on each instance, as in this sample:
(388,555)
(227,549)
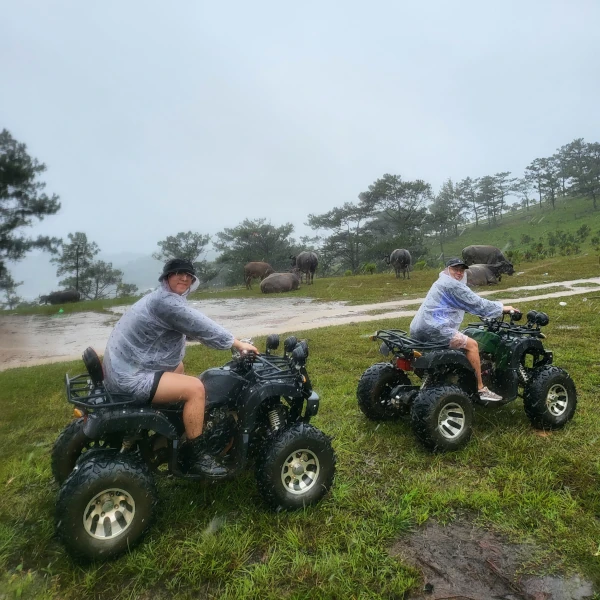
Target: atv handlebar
(535,320)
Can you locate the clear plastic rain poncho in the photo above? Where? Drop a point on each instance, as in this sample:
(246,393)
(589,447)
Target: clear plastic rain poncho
(150,337)
(444,307)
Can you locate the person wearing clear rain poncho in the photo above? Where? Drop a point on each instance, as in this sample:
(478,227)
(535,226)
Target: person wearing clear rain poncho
(145,350)
(443,310)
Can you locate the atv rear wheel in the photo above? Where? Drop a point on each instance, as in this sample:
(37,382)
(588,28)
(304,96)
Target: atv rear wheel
(549,398)
(442,417)
(296,468)
(374,392)
(105,506)
(71,444)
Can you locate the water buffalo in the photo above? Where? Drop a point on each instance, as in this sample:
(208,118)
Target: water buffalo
(306,262)
(484,255)
(276,283)
(60,297)
(256,270)
(399,259)
(487,274)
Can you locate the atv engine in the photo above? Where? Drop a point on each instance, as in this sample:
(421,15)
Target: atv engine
(487,369)
(219,430)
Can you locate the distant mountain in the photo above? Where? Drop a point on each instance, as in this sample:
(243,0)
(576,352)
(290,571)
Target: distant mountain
(137,268)
(38,274)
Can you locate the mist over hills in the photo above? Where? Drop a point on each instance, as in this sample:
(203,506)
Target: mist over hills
(38,274)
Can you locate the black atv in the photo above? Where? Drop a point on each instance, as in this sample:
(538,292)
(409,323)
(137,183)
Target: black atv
(513,363)
(258,408)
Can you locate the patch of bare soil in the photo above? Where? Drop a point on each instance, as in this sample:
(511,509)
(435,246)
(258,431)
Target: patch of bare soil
(462,562)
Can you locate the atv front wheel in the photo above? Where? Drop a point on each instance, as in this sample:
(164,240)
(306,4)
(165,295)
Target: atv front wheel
(105,507)
(71,444)
(442,417)
(549,398)
(374,392)
(296,468)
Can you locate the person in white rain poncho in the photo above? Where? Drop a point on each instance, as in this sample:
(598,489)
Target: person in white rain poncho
(443,310)
(145,350)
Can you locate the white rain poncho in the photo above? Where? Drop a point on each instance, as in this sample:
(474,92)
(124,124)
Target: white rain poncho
(150,337)
(444,307)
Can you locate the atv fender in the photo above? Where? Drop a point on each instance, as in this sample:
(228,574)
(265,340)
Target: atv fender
(131,420)
(434,360)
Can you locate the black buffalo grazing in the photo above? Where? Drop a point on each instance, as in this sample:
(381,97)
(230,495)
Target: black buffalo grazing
(485,255)
(306,262)
(399,259)
(256,270)
(60,297)
(277,283)
(487,274)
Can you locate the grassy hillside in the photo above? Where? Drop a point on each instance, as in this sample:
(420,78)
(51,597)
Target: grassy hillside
(568,216)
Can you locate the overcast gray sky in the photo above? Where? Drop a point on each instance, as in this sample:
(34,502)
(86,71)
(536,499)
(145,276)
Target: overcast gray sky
(159,117)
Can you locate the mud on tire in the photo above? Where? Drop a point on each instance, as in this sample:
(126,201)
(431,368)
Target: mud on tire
(70,445)
(442,417)
(549,398)
(105,507)
(374,392)
(296,468)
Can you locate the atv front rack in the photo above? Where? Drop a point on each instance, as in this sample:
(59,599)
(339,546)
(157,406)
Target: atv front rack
(273,367)
(83,393)
(400,342)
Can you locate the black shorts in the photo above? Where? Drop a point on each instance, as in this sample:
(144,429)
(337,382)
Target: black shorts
(157,377)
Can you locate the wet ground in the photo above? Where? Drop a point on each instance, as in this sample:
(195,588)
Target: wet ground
(37,339)
(463,562)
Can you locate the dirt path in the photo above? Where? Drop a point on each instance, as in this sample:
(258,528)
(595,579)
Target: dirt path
(36,339)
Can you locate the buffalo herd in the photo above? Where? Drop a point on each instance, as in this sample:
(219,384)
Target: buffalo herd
(276,283)
(486,264)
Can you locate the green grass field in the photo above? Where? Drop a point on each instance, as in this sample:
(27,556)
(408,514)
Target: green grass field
(220,541)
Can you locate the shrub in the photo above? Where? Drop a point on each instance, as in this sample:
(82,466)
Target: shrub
(369,268)
(347,272)
(583,232)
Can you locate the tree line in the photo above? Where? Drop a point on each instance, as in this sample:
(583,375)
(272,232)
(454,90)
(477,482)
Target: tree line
(353,237)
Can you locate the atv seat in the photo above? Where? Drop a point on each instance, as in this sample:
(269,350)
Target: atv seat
(92,363)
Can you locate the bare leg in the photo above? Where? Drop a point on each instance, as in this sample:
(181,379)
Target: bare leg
(472,352)
(175,387)
(179,369)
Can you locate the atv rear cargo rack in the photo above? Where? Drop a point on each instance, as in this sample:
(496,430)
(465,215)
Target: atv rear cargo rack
(399,340)
(83,393)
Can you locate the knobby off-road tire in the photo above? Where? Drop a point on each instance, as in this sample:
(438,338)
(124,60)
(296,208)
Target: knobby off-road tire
(549,398)
(442,418)
(296,468)
(70,445)
(105,506)
(374,392)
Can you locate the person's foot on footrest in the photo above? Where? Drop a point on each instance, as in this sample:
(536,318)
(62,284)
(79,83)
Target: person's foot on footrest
(485,394)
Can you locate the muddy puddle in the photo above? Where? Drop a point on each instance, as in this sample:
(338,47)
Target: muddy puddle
(463,562)
(37,339)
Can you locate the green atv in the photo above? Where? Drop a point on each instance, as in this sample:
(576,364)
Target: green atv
(514,364)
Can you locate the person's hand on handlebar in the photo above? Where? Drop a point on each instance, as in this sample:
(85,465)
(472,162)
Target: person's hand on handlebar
(510,309)
(244,347)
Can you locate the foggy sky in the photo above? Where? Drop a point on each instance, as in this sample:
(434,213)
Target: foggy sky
(156,117)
